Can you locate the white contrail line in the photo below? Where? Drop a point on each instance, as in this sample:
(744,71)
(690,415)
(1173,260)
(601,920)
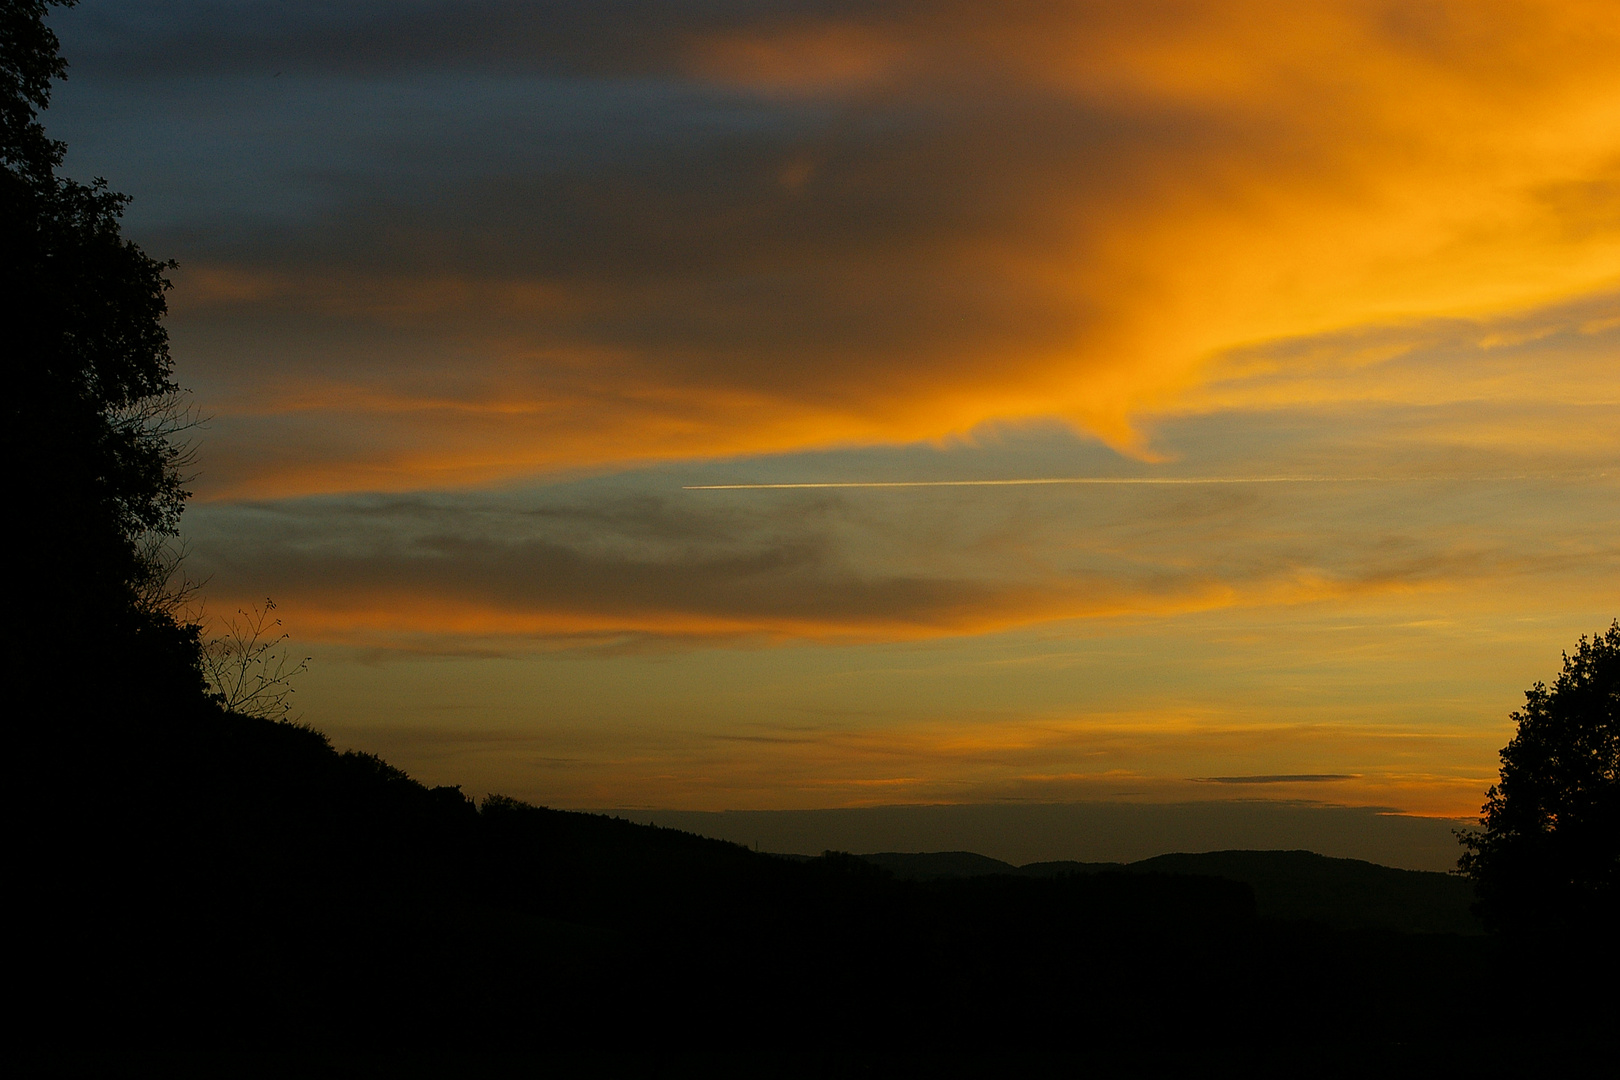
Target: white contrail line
(1155,480)
(1042,480)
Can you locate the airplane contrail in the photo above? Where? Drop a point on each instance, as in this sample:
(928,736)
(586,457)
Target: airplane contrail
(1047,480)
(1153,480)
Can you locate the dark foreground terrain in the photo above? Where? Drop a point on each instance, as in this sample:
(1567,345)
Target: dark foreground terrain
(229,885)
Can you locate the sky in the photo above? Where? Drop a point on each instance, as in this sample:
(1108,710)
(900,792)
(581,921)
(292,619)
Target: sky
(546,347)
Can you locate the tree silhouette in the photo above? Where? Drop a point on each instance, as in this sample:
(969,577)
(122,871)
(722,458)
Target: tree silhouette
(91,415)
(1548,858)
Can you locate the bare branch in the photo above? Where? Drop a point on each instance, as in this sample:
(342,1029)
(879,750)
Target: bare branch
(163,588)
(248,667)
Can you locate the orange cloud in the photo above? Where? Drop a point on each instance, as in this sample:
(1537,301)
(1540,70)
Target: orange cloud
(1040,211)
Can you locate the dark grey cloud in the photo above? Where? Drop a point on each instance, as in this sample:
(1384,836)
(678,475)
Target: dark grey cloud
(816,249)
(618,37)
(160,39)
(636,561)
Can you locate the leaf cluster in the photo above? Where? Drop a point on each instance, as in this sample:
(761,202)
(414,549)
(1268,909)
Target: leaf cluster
(29,61)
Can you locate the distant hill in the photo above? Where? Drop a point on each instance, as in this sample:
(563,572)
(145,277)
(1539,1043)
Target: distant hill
(938,865)
(1343,893)
(1346,894)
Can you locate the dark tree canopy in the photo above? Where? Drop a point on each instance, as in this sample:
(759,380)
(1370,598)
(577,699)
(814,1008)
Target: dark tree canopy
(1547,860)
(28,63)
(90,413)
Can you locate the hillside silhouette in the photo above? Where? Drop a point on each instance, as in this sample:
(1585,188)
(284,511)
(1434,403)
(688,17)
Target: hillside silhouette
(1346,894)
(241,874)
(216,882)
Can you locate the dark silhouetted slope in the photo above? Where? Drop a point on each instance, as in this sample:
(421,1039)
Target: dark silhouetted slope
(217,879)
(938,865)
(1343,893)
(1346,894)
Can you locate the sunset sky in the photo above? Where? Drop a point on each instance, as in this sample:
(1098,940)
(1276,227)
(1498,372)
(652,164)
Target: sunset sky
(493,305)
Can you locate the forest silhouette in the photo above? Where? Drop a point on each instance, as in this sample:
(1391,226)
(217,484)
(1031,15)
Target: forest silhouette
(194,877)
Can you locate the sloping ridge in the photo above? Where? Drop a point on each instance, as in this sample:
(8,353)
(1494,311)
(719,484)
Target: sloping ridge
(1347,894)
(938,865)
(1344,893)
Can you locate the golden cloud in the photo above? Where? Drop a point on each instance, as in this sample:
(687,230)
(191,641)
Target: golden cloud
(1041,211)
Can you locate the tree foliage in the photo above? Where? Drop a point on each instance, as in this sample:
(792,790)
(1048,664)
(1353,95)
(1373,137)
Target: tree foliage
(1547,859)
(92,411)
